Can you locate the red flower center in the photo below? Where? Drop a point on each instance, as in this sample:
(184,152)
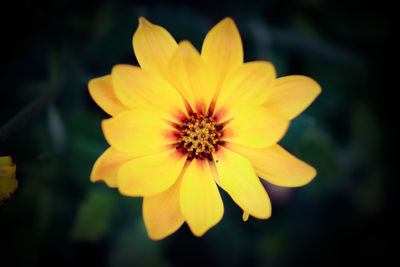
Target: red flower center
(199,136)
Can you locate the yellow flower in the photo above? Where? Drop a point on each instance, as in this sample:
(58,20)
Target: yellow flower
(184,122)
(8,182)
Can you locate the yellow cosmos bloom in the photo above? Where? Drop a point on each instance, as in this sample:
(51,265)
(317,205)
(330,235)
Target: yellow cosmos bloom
(184,122)
(8,182)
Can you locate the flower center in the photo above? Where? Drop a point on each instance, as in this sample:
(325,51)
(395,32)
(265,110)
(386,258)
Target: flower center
(199,136)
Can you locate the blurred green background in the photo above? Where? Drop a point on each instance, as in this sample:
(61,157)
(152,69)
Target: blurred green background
(52,49)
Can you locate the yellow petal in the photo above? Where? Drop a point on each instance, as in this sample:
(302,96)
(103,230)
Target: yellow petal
(102,92)
(137,88)
(162,212)
(138,132)
(237,177)
(292,95)
(7,172)
(150,175)
(8,181)
(5,161)
(277,166)
(248,86)
(191,76)
(256,128)
(200,201)
(107,166)
(7,188)
(153,46)
(245,216)
(222,49)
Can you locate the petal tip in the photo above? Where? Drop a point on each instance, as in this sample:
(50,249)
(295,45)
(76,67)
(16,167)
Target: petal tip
(199,231)
(118,67)
(185,43)
(106,129)
(155,235)
(245,216)
(93,178)
(186,48)
(312,84)
(143,22)
(315,85)
(312,174)
(230,24)
(266,214)
(92,83)
(104,123)
(228,20)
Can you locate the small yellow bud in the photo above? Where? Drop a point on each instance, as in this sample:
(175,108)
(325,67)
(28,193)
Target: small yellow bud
(8,181)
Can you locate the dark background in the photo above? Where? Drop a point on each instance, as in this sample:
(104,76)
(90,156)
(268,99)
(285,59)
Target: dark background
(50,50)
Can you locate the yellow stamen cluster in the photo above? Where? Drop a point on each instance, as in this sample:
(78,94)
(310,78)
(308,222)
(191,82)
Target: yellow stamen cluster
(199,136)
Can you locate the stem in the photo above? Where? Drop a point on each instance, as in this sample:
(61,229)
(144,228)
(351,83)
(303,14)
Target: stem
(26,113)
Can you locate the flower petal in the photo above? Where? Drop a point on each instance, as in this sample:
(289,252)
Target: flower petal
(7,168)
(150,175)
(5,161)
(107,166)
(277,166)
(248,86)
(153,46)
(292,95)
(162,212)
(201,203)
(256,128)
(237,177)
(137,88)
(138,132)
(222,49)
(8,181)
(245,216)
(191,76)
(102,92)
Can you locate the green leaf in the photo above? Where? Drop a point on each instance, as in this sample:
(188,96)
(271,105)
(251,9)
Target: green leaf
(95,216)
